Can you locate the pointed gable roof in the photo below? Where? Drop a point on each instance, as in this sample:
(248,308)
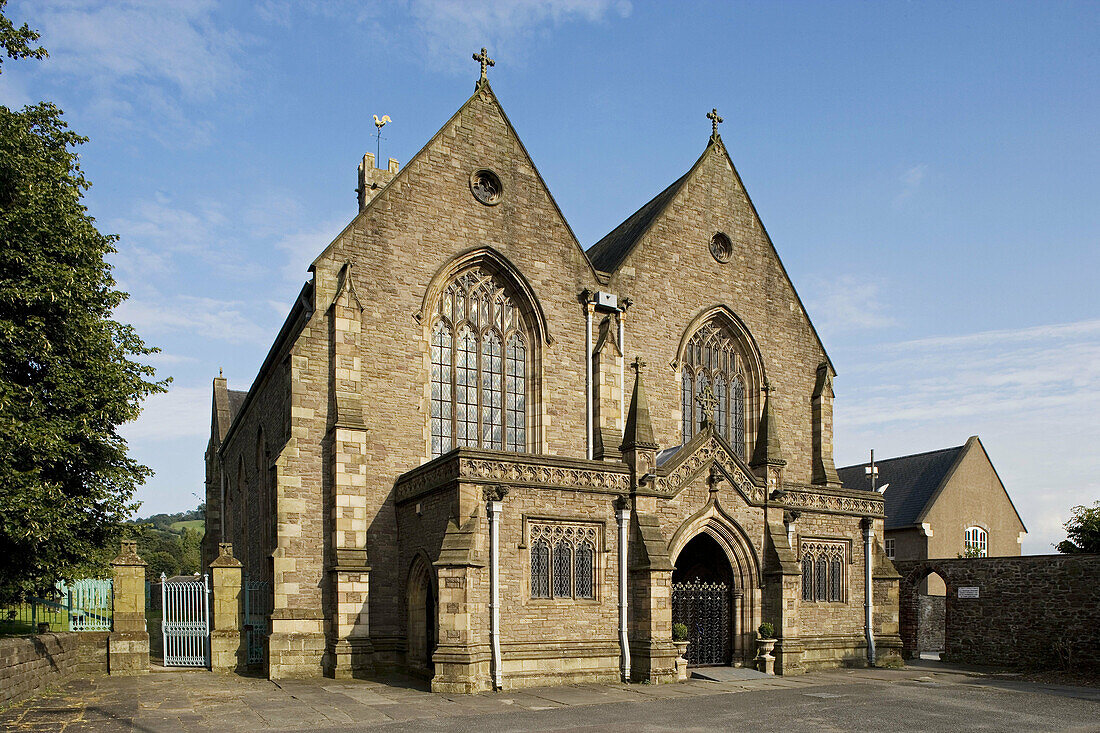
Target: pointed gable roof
(608,253)
(481,90)
(913,481)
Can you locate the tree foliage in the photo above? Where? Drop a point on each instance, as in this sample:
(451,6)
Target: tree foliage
(68,371)
(1082,531)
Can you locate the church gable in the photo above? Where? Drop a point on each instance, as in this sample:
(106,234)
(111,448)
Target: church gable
(701,245)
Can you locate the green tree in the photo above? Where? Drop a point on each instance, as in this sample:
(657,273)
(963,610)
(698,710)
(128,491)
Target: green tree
(68,374)
(1082,531)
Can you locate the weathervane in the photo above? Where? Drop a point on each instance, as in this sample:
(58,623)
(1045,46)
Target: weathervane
(715,120)
(379,123)
(486,62)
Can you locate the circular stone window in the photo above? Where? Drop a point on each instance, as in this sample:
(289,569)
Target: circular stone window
(721,247)
(486,187)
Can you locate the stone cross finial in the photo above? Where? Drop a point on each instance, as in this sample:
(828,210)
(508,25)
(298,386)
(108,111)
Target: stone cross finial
(768,387)
(637,365)
(707,401)
(486,62)
(715,120)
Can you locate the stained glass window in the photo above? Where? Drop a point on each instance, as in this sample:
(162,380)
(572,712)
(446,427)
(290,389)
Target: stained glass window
(687,397)
(712,357)
(540,569)
(807,578)
(563,570)
(584,568)
(517,394)
(479,367)
(820,580)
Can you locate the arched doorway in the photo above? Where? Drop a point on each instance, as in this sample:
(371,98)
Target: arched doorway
(925,612)
(420,619)
(703,595)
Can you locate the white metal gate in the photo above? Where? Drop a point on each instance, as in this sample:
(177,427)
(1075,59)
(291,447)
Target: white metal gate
(185,621)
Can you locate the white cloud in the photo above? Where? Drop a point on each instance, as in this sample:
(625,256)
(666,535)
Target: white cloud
(303,246)
(846,303)
(181,412)
(910,181)
(207,317)
(1031,394)
(142,60)
(452,29)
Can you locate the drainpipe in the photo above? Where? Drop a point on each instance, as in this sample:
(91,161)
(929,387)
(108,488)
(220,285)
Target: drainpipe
(869,606)
(622,365)
(589,307)
(494,511)
(622,514)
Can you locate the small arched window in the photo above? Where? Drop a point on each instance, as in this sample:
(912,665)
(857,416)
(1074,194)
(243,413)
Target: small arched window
(540,569)
(480,369)
(713,360)
(563,568)
(807,578)
(585,556)
(977,542)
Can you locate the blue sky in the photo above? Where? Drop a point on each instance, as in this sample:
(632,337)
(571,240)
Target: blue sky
(929,173)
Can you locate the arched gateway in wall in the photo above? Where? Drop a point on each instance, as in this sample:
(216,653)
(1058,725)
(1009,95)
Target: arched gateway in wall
(715,589)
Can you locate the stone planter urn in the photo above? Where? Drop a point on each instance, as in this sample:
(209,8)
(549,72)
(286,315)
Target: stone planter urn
(765,662)
(681,659)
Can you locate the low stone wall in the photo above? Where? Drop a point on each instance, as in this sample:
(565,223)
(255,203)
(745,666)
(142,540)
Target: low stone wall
(28,664)
(930,623)
(1030,611)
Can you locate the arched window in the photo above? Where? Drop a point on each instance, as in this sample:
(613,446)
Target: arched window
(563,560)
(823,571)
(540,569)
(563,568)
(977,542)
(584,569)
(712,358)
(479,378)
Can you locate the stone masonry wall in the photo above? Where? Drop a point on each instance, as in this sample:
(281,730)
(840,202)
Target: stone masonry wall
(930,623)
(29,664)
(1032,611)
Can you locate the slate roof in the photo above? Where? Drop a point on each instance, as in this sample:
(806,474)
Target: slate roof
(608,253)
(236,399)
(913,480)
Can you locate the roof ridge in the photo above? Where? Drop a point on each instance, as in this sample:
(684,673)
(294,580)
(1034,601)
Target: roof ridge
(620,241)
(899,458)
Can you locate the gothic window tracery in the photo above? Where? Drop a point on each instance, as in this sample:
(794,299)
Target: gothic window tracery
(823,571)
(479,375)
(713,360)
(563,560)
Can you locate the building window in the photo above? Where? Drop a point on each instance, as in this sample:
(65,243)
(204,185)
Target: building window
(479,376)
(890,547)
(977,542)
(563,560)
(540,569)
(714,373)
(823,571)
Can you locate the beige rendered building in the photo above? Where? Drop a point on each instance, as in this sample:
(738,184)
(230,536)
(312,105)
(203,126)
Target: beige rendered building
(480,452)
(943,504)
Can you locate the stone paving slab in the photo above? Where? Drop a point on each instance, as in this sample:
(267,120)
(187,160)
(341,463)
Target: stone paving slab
(205,701)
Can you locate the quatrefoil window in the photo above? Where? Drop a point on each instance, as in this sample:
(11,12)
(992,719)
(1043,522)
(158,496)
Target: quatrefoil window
(486,187)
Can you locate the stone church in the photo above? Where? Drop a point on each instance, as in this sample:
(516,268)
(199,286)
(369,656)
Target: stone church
(479,452)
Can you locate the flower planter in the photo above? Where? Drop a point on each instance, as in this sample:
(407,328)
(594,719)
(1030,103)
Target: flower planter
(765,662)
(681,659)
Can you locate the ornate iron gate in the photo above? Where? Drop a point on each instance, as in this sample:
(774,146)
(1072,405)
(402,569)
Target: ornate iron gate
(90,604)
(185,621)
(705,609)
(257,607)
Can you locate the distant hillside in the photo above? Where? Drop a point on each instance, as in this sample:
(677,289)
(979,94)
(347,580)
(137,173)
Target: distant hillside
(169,543)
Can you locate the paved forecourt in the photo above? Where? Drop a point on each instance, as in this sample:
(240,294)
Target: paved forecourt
(870,700)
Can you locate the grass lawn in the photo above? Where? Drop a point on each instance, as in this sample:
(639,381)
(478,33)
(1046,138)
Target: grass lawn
(195,525)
